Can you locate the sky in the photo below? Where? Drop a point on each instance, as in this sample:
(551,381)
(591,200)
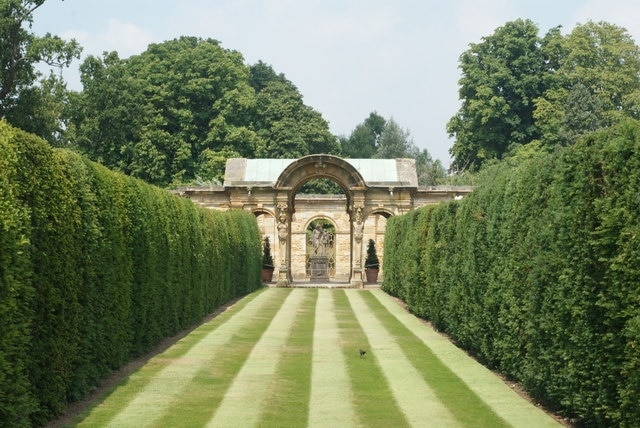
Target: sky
(347,58)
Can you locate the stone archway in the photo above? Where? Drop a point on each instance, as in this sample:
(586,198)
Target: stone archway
(374,189)
(319,166)
(375,228)
(294,176)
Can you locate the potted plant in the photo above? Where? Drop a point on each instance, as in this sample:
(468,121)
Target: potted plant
(371,263)
(267,261)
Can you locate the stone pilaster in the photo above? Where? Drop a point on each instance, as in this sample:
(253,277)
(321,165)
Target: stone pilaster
(357,226)
(283,226)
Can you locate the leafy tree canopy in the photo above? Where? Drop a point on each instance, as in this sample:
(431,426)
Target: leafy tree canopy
(517,87)
(395,142)
(37,109)
(382,138)
(176,112)
(364,139)
(595,83)
(501,76)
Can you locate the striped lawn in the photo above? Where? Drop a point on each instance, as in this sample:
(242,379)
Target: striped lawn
(289,358)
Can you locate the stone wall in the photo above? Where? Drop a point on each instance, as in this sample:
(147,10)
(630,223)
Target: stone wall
(373,204)
(334,209)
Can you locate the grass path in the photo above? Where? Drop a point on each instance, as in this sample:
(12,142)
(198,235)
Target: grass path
(289,357)
(162,383)
(371,395)
(330,403)
(251,386)
(503,400)
(416,398)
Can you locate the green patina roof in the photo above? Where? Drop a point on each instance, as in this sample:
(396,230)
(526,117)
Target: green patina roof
(265,170)
(398,172)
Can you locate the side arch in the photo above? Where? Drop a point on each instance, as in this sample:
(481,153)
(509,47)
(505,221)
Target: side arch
(384,212)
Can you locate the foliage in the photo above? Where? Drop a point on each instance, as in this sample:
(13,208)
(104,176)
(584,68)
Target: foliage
(181,108)
(377,137)
(42,110)
(21,102)
(16,293)
(395,142)
(267,258)
(536,273)
(501,76)
(595,84)
(517,88)
(364,139)
(430,172)
(320,186)
(95,268)
(371,261)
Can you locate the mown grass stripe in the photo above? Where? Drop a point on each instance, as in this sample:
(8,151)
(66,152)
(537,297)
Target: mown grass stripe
(289,392)
(502,400)
(459,400)
(118,400)
(416,398)
(169,386)
(243,400)
(210,385)
(330,404)
(371,396)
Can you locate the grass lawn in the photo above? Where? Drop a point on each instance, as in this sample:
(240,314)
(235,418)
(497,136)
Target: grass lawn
(289,357)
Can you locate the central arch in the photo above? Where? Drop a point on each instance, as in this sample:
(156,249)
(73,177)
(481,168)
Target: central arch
(310,167)
(294,176)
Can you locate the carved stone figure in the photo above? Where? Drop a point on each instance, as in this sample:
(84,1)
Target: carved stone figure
(320,239)
(282,223)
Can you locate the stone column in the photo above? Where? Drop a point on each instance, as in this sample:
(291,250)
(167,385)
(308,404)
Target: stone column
(357,224)
(283,226)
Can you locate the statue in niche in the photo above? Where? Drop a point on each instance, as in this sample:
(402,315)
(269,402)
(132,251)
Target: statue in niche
(320,251)
(319,240)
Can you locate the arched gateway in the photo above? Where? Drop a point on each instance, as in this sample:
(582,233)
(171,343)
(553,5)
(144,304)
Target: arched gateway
(374,189)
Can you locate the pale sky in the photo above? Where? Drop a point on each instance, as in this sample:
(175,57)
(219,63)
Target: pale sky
(346,57)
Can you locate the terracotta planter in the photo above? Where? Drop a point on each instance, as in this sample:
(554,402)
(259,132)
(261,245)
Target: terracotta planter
(267,275)
(372,275)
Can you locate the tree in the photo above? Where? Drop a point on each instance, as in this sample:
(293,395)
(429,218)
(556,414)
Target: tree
(501,77)
(596,83)
(395,142)
(430,172)
(261,73)
(371,261)
(267,258)
(174,114)
(379,138)
(42,110)
(364,139)
(583,113)
(21,102)
(109,115)
(289,128)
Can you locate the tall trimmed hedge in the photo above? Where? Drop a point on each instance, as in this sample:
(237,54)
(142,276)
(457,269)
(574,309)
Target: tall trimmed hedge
(537,273)
(96,268)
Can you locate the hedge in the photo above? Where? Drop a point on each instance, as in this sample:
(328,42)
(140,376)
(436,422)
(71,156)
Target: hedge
(537,273)
(96,268)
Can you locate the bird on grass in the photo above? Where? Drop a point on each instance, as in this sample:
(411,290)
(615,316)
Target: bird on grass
(362,352)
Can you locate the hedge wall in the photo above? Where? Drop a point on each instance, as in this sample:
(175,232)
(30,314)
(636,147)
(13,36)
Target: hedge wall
(95,268)
(537,273)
